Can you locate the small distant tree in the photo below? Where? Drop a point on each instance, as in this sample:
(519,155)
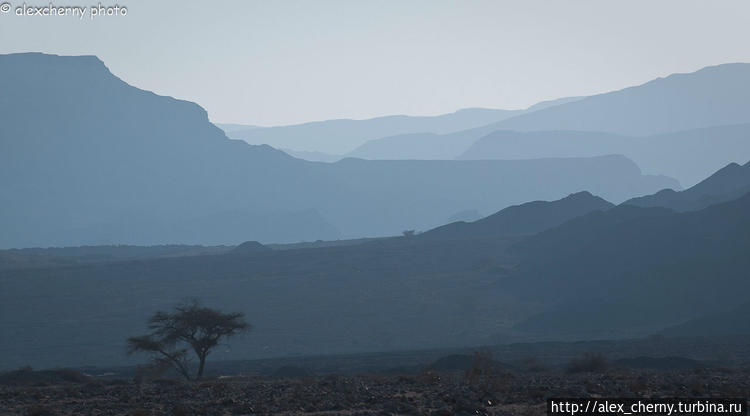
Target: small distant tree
(409,233)
(190,326)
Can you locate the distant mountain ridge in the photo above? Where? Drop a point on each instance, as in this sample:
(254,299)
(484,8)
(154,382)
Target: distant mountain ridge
(232,127)
(338,137)
(712,96)
(690,156)
(313,156)
(684,126)
(729,183)
(420,146)
(341,136)
(528,218)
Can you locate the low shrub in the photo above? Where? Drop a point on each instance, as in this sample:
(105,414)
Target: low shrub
(589,363)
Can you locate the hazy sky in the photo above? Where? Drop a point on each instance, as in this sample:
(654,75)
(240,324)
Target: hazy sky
(281,62)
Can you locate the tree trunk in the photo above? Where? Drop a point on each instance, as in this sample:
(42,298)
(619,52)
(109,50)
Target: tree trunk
(200,367)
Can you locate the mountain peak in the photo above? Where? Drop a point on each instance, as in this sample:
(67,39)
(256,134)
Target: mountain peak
(46,59)
(581,195)
(250,247)
(730,167)
(729,177)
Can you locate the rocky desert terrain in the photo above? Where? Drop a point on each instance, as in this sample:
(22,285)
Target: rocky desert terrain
(426,393)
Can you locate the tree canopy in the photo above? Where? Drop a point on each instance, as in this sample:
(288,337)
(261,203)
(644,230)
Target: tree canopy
(191,326)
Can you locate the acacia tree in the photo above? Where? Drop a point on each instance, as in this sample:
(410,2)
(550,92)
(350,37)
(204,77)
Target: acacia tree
(190,326)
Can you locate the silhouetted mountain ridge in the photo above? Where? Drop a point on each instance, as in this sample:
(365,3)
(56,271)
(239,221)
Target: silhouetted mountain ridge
(639,268)
(528,218)
(250,247)
(730,182)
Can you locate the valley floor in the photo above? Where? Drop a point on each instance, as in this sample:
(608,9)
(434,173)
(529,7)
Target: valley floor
(427,393)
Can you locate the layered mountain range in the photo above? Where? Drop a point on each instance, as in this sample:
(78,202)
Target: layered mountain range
(337,137)
(580,243)
(93,160)
(684,126)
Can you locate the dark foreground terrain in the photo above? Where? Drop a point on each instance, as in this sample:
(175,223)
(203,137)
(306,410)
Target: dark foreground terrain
(511,379)
(427,393)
